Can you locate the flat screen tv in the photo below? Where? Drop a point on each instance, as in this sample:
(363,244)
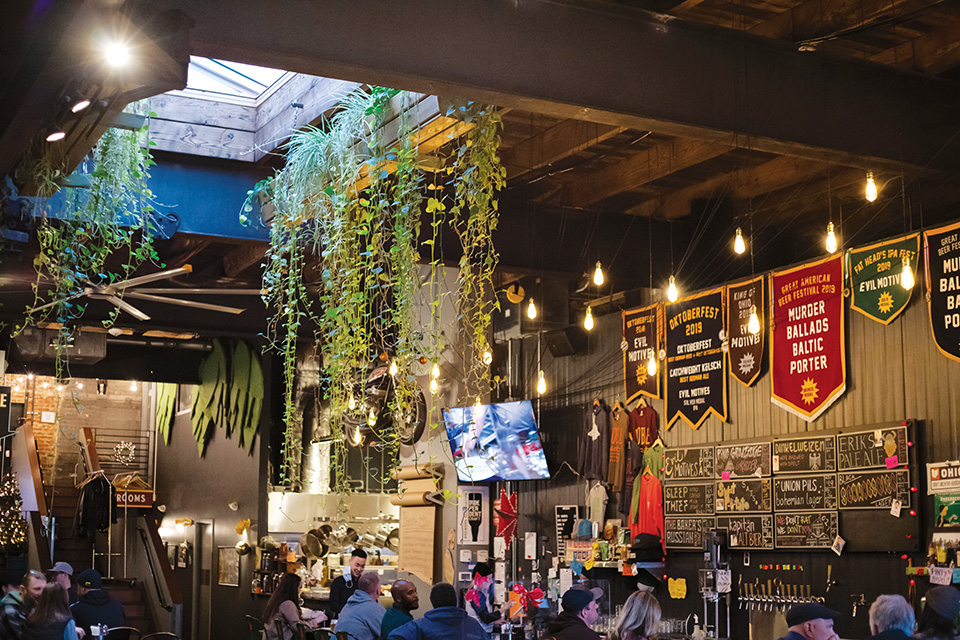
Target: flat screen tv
(496,442)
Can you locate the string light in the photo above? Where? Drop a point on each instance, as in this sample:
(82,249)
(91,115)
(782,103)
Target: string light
(906,276)
(434,385)
(435,373)
(541,384)
(831,239)
(56,136)
(753,324)
(738,244)
(588,319)
(393,367)
(487,356)
(652,364)
(79,385)
(478,403)
(133,385)
(80,106)
(372,418)
(13,528)
(29,376)
(357,437)
(598,275)
(871,191)
(532,310)
(672,293)
(351,402)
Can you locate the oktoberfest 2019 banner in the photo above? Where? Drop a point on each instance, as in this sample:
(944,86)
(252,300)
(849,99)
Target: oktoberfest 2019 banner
(642,341)
(875,272)
(942,248)
(746,349)
(807,362)
(696,363)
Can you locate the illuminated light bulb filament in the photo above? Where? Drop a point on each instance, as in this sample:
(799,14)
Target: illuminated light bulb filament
(871,191)
(478,401)
(738,244)
(598,275)
(672,293)
(351,402)
(435,373)
(906,276)
(80,106)
(434,385)
(753,324)
(393,367)
(541,384)
(588,319)
(652,364)
(831,239)
(372,418)
(487,356)
(532,310)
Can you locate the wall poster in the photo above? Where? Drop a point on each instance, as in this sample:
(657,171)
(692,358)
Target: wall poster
(875,272)
(566,520)
(696,383)
(746,349)
(807,361)
(946,510)
(473,514)
(942,248)
(642,341)
(228,567)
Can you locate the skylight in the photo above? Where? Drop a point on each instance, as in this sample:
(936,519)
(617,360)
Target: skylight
(211,76)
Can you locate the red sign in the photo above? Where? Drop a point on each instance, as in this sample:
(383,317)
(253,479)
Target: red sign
(807,345)
(135,498)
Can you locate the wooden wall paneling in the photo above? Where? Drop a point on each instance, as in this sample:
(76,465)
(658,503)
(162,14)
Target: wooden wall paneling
(202,140)
(178,107)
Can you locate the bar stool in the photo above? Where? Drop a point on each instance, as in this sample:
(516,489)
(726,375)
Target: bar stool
(257,630)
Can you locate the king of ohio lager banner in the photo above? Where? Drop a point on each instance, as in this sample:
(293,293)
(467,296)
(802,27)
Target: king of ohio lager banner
(874,273)
(746,349)
(942,248)
(807,363)
(642,338)
(696,363)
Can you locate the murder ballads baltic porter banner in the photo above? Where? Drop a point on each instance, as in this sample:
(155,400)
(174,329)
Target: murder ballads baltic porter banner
(641,337)
(942,247)
(696,363)
(807,339)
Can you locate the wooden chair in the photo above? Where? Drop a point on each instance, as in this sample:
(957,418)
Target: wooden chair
(307,633)
(297,631)
(122,633)
(257,630)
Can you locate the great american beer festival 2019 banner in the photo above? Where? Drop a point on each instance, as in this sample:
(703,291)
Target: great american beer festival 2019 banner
(942,248)
(807,362)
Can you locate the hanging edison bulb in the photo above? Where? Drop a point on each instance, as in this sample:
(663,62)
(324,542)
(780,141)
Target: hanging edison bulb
(487,356)
(906,276)
(672,293)
(753,324)
(393,367)
(652,364)
(357,437)
(588,319)
(435,372)
(434,385)
(372,418)
(478,403)
(541,384)
(738,244)
(831,239)
(871,190)
(532,310)
(351,402)
(598,275)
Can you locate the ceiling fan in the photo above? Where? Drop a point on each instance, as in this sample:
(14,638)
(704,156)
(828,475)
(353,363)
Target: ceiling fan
(116,291)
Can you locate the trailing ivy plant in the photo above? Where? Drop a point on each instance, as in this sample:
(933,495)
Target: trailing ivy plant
(102,234)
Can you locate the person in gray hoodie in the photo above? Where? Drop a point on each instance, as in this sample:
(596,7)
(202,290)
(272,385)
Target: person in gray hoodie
(362,615)
(446,621)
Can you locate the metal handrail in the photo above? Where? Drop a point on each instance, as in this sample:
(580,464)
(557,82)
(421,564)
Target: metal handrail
(153,570)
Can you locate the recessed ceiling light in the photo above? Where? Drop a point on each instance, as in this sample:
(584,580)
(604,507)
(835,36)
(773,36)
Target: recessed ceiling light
(116,53)
(80,106)
(56,136)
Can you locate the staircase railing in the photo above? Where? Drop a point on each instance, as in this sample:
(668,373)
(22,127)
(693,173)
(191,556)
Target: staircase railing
(25,459)
(165,599)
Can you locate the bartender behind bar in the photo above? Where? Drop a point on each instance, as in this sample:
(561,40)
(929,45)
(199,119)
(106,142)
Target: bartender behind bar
(344,586)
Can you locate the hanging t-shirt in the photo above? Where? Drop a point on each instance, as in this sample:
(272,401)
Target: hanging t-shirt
(644,430)
(597,503)
(653,459)
(648,516)
(619,427)
(594,449)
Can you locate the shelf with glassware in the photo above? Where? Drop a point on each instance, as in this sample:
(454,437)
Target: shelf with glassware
(272,564)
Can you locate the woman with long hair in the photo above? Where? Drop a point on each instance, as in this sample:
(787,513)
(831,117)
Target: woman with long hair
(283,608)
(640,618)
(938,620)
(51,619)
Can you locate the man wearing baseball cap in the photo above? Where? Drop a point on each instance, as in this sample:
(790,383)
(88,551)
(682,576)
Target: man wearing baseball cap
(811,621)
(63,573)
(579,611)
(95,606)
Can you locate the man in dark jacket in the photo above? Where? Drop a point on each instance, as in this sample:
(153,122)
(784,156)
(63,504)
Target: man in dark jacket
(62,572)
(405,600)
(341,589)
(446,621)
(811,621)
(579,612)
(96,607)
(17,605)
(891,618)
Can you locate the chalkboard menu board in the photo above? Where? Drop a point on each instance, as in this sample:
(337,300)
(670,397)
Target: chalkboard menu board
(687,499)
(744,496)
(686,533)
(748,532)
(805,530)
(805,493)
(744,460)
(693,463)
(873,489)
(871,449)
(805,455)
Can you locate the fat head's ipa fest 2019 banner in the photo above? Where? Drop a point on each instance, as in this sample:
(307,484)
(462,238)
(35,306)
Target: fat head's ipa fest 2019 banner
(943,284)
(807,362)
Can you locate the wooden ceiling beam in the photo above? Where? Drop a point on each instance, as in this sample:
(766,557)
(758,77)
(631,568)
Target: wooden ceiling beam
(932,53)
(554,144)
(817,18)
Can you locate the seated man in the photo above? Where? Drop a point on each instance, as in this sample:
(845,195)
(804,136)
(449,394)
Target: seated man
(405,600)
(95,606)
(446,621)
(579,611)
(811,621)
(891,618)
(362,615)
(17,605)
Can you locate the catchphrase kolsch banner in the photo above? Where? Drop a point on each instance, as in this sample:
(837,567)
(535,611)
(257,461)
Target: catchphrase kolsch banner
(807,362)
(696,383)
(746,349)
(942,249)
(642,341)
(875,273)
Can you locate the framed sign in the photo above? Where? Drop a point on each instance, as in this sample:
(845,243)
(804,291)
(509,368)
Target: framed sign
(805,493)
(744,496)
(748,532)
(751,460)
(691,463)
(228,567)
(805,530)
(884,447)
(686,533)
(473,515)
(805,455)
(873,489)
(943,477)
(683,499)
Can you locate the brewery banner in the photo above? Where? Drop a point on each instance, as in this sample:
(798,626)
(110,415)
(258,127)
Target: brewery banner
(807,362)
(696,372)
(942,248)
(640,342)
(874,273)
(746,349)
(6,400)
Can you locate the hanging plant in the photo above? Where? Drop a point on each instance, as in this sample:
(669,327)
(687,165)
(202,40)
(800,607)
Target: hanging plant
(166,409)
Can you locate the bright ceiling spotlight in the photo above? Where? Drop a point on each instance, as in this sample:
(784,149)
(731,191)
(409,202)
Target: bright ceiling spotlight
(116,53)
(79,106)
(831,239)
(56,136)
(598,275)
(588,319)
(672,293)
(738,244)
(871,190)
(906,275)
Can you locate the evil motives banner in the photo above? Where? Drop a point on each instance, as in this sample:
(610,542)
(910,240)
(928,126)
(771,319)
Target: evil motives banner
(807,363)
(942,247)
(746,349)
(875,272)
(696,363)
(641,335)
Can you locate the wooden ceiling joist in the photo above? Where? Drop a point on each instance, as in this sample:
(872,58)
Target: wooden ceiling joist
(554,144)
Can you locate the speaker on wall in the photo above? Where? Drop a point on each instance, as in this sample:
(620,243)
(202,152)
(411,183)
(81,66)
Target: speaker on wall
(566,341)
